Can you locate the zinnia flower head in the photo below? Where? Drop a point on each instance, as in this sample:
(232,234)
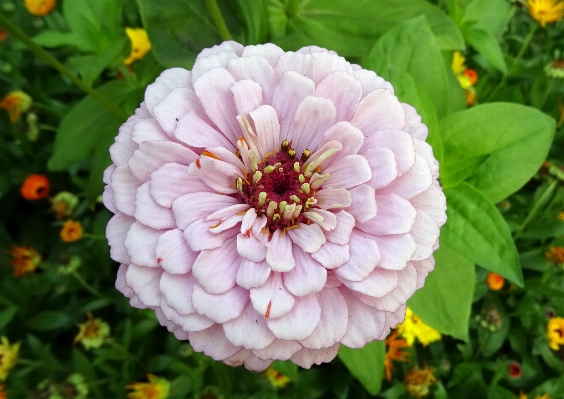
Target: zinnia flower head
(39,7)
(555,333)
(93,333)
(15,103)
(546,11)
(71,231)
(35,187)
(273,205)
(156,388)
(140,44)
(494,281)
(418,381)
(24,260)
(8,356)
(413,327)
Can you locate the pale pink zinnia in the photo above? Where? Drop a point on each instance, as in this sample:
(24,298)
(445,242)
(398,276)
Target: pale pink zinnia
(273,205)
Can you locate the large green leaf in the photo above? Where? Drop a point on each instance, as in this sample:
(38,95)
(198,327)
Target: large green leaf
(350,27)
(487,45)
(366,364)
(489,15)
(445,301)
(515,138)
(255,16)
(476,229)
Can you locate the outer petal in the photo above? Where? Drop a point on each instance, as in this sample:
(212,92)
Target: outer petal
(220,308)
(165,83)
(172,181)
(140,243)
(124,186)
(334,320)
(249,330)
(307,277)
(341,234)
(148,212)
(116,230)
(300,322)
(395,216)
(144,281)
(364,257)
(252,274)
(346,98)
(212,342)
(332,255)
(249,360)
(216,269)
(378,284)
(377,111)
(365,323)
(280,350)
(173,254)
(307,357)
(151,155)
(191,207)
(272,299)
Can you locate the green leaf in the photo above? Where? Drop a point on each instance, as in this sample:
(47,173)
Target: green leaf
(515,137)
(410,47)
(287,368)
(255,16)
(489,15)
(55,39)
(6,315)
(366,364)
(487,45)
(446,299)
(49,320)
(454,172)
(350,27)
(476,229)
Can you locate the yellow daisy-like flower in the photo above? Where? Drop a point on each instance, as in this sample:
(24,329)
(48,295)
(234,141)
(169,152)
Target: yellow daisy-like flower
(39,7)
(546,11)
(24,260)
(413,327)
(458,61)
(15,103)
(555,333)
(418,381)
(93,333)
(72,231)
(276,379)
(8,356)
(140,44)
(156,388)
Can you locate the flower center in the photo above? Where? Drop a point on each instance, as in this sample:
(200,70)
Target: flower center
(282,187)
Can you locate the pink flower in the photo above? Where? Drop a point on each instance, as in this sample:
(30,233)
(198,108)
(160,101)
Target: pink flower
(273,205)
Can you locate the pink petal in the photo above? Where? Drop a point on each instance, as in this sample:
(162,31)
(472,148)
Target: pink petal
(121,285)
(432,201)
(271,299)
(172,181)
(332,255)
(363,203)
(148,212)
(116,230)
(413,182)
(341,234)
(252,274)
(168,80)
(191,207)
(365,323)
(251,362)
(425,233)
(279,252)
(334,319)
(308,237)
(144,281)
(217,60)
(300,322)
(177,291)
(219,175)
(174,105)
(267,128)
(222,307)
(326,63)
(324,218)
(108,199)
(392,320)
(332,280)
(124,185)
(370,82)
(333,198)
(396,250)
(345,98)
(413,124)
(349,136)
(307,357)
(280,350)
(307,277)
(247,96)
(151,155)
(249,330)
(173,254)
(212,342)
(148,130)
(216,269)
(423,268)
(395,216)
(301,63)
(251,248)
(383,165)
(269,51)
(257,69)
(364,257)
(186,323)
(377,111)
(397,141)
(348,172)
(140,243)
(227,45)
(379,283)
(123,147)
(195,132)
(313,117)
(199,237)
(248,221)
(426,151)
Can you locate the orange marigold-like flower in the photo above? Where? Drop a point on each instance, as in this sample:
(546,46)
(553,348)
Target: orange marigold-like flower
(3,35)
(472,75)
(546,11)
(495,281)
(418,381)
(276,379)
(24,260)
(2,392)
(72,231)
(394,346)
(555,333)
(39,7)
(35,187)
(555,254)
(16,103)
(156,388)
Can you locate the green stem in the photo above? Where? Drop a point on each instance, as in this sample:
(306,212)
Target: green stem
(48,58)
(218,20)
(541,201)
(515,61)
(83,282)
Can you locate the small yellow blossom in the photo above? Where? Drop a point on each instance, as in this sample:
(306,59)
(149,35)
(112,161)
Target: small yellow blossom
(15,103)
(39,7)
(93,333)
(63,204)
(276,379)
(394,346)
(555,333)
(413,327)
(24,260)
(555,254)
(156,388)
(546,11)
(495,281)
(72,231)
(561,216)
(140,44)
(458,61)
(418,381)
(8,357)
(466,77)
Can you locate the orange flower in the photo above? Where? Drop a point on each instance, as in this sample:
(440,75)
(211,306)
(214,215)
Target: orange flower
(156,388)
(470,95)
(35,187)
(472,75)
(3,35)
(418,381)
(71,231)
(39,7)
(394,352)
(555,254)
(24,260)
(276,379)
(495,281)
(15,103)
(2,392)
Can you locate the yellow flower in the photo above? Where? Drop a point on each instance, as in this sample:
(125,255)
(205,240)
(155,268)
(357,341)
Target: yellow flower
(8,357)
(63,204)
(140,44)
(24,260)
(71,231)
(457,65)
(495,281)
(546,11)
(555,333)
(555,254)
(413,327)
(561,216)
(15,103)
(418,381)
(394,352)
(93,333)
(39,7)
(156,388)
(276,379)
